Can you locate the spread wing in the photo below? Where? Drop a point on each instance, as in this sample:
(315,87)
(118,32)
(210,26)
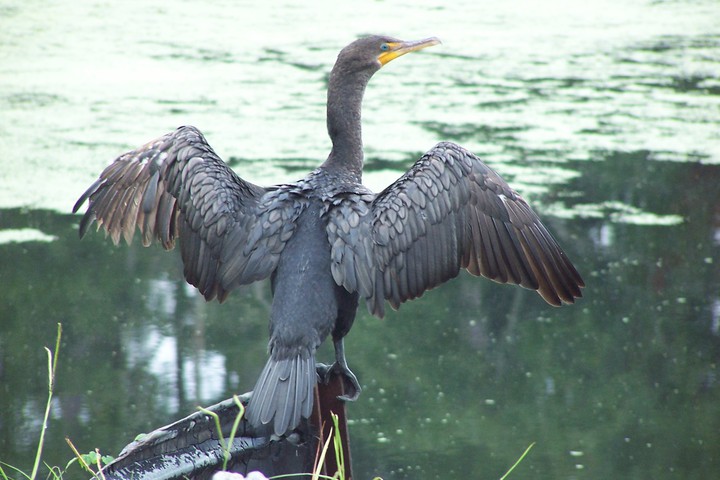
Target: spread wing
(231,231)
(449,211)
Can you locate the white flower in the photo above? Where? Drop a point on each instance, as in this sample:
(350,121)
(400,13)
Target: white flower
(237,476)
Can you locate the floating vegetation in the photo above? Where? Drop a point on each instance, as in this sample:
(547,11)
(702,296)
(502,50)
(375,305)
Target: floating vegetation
(614,211)
(20,235)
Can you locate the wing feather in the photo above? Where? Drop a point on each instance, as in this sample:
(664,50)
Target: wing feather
(231,231)
(449,211)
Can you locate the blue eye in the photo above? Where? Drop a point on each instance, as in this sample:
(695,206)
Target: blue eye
(384,47)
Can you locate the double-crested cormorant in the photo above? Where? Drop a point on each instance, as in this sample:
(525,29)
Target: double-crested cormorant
(327,240)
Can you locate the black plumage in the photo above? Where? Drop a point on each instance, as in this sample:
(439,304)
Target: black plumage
(326,240)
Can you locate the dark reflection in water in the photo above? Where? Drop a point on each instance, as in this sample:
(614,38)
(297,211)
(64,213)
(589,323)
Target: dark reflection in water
(622,385)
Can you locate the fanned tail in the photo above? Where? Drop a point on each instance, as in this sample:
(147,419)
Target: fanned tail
(283,394)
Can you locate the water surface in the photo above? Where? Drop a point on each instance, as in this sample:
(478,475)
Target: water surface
(605,117)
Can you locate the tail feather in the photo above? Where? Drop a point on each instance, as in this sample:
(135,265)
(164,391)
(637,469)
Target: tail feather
(283,394)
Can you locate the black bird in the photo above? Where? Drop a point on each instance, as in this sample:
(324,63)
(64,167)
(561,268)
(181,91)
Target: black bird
(327,240)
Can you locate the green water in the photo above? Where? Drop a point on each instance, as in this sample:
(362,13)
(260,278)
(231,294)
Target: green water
(605,117)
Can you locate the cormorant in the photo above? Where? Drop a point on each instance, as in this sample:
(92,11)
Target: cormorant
(327,240)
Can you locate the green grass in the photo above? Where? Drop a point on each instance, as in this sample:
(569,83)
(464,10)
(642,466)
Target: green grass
(334,437)
(527,450)
(55,473)
(52,368)
(226,446)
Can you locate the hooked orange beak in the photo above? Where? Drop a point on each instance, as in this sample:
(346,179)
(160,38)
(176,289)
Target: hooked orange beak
(397,49)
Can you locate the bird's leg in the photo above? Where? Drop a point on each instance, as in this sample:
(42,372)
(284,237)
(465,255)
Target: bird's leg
(350,381)
(340,367)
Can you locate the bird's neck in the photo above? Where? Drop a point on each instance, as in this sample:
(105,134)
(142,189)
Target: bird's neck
(345,94)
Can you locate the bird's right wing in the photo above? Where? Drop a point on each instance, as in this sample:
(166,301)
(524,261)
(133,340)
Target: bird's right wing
(231,231)
(449,211)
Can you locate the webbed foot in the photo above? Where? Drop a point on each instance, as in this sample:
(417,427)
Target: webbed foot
(351,386)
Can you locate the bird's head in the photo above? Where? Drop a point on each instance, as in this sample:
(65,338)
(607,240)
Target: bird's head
(367,55)
(353,69)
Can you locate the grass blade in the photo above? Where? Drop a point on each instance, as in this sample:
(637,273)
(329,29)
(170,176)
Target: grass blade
(518,461)
(52,365)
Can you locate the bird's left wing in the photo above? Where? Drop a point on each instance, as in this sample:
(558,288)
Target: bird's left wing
(231,232)
(449,211)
